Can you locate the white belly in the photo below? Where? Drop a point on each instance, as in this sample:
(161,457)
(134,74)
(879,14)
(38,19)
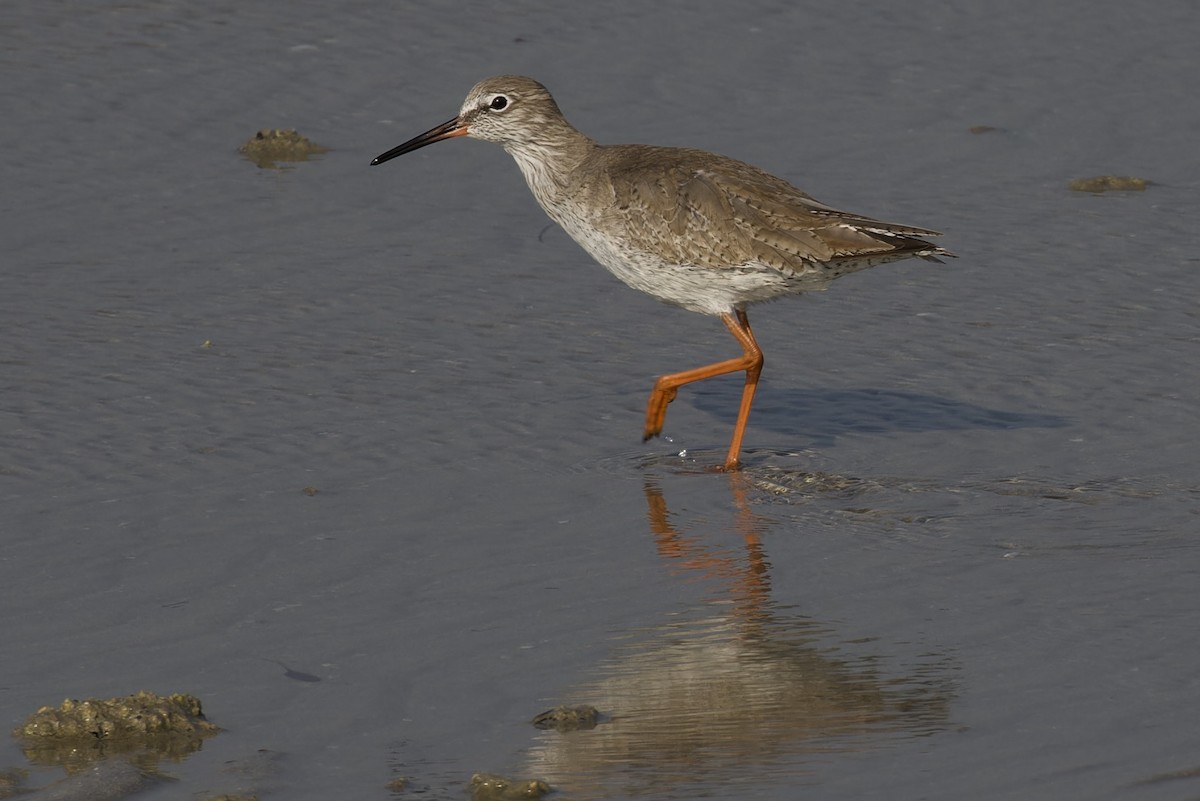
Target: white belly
(706,290)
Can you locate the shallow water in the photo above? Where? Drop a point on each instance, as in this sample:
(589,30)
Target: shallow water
(351,453)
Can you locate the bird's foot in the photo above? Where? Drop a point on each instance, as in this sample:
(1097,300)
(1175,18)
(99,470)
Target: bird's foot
(656,411)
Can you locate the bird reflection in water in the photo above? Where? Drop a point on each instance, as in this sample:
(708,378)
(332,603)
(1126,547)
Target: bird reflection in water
(735,692)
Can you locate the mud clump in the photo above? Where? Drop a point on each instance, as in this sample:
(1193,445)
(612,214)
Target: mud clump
(568,718)
(491,787)
(76,732)
(1109,183)
(270,146)
(137,715)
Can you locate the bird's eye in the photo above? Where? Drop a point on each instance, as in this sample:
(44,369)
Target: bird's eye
(499,103)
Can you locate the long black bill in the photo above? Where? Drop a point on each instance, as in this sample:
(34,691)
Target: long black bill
(447,130)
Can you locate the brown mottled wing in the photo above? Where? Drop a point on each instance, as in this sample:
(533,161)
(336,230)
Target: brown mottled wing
(682,215)
(716,212)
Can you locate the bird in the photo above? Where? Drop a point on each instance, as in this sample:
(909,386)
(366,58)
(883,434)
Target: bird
(694,229)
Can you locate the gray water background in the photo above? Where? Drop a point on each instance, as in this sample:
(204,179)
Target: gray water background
(969,515)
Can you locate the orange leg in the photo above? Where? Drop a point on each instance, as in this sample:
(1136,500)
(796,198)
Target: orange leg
(667,386)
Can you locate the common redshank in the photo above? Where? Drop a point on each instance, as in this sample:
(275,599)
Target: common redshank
(693,229)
